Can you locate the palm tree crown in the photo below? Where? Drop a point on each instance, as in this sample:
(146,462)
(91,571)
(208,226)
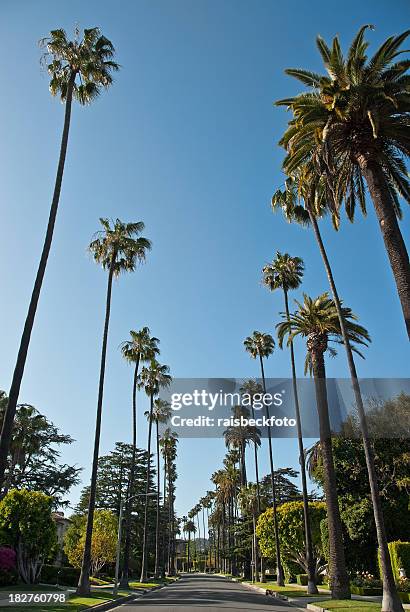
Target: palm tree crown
(141,346)
(118,245)
(285,272)
(317,320)
(259,344)
(359,109)
(154,377)
(161,411)
(87,62)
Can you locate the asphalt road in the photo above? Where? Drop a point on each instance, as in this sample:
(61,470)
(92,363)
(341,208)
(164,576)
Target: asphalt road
(207,594)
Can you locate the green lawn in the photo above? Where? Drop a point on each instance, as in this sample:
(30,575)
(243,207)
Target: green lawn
(286,590)
(350,604)
(74,604)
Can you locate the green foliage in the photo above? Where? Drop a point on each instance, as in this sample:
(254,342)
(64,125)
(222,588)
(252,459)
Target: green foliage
(33,461)
(54,574)
(27,526)
(88,62)
(291,530)
(302,579)
(392,468)
(357,110)
(103,543)
(113,478)
(400,558)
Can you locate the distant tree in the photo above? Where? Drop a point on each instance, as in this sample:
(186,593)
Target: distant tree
(33,459)
(27,526)
(113,484)
(103,544)
(140,348)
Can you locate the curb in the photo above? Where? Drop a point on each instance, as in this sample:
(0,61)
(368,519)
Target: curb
(116,603)
(314,608)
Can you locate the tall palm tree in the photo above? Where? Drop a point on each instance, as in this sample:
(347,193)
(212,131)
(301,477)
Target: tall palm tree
(152,379)
(356,118)
(168,443)
(286,273)
(248,501)
(261,346)
(317,321)
(189,528)
(239,436)
(252,387)
(310,187)
(160,414)
(140,348)
(117,248)
(79,69)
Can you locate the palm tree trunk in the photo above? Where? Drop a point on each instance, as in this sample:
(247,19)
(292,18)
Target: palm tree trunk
(145,537)
(84,580)
(310,560)
(392,236)
(255,546)
(173,545)
(189,551)
(10,412)
(280,581)
(339,579)
(125,572)
(391,601)
(203,525)
(258,497)
(156,569)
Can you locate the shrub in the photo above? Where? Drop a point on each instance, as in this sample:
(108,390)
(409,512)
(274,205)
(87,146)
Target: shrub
(302,579)
(366,580)
(7,558)
(8,577)
(27,526)
(53,574)
(403,585)
(400,558)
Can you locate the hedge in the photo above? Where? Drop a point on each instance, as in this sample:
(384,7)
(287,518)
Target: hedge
(400,558)
(302,579)
(356,590)
(53,574)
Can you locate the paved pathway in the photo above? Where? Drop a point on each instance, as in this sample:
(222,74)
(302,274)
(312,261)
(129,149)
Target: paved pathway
(205,594)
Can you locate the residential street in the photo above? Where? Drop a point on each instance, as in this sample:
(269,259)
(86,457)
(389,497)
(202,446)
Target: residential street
(213,593)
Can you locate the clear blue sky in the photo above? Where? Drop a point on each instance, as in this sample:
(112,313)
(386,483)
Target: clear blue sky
(185,141)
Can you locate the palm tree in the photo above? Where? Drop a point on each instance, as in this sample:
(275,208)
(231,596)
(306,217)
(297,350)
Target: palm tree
(160,414)
(189,528)
(285,273)
(152,378)
(117,248)
(356,120)
(238,436)
(261,345)
(317,321)
(141,347)
(252,387)
(78,69)
(248,502)
(168,443)
(309,186)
